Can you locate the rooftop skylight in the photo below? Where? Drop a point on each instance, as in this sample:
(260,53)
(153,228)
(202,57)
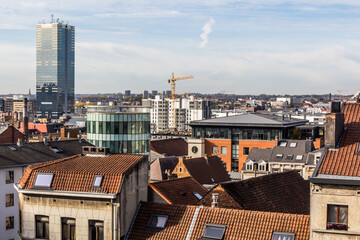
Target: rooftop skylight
(283,144)
(197,195)
(289,157)
(279,156)
(293,144)
(157,222)
(214,231)
(43,179)
(97,181)
(299,157)
(283,236)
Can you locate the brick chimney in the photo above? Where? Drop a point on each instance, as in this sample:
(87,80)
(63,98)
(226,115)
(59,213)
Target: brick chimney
(215,197)
(334,125)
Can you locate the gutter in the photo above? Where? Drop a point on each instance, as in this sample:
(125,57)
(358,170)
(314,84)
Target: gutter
(66,193)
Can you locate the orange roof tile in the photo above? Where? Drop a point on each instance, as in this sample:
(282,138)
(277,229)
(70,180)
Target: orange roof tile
(179,191)
(77,173)
(344,160)
(240,224)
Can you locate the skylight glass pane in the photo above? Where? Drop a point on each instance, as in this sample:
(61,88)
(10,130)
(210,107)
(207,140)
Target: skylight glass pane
(299,157)
(43,179)
(283,236)
(289,157)
(97,180)
(214,231)
(293,144)
(283,144)
(279,156)
(157,221)
(197,195)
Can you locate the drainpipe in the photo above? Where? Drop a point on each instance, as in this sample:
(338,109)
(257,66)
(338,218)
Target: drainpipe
(114,210)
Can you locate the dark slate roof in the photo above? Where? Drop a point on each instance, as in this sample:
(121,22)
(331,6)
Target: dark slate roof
(179,191)
(207,171)
(248,120)
(303,147)
(258,154)
(38,152)
(285,192)
(170,147)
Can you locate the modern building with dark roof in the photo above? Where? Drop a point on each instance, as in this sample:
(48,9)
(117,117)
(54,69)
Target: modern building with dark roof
(178,222)
(185,191)
(285,192)
(286,155)
(82,196)
(232,138)
(336,180)
(14,158)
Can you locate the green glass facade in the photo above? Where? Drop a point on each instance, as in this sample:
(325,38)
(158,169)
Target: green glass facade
(121,132)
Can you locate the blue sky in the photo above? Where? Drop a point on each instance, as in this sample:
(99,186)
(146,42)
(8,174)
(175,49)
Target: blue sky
(244,47)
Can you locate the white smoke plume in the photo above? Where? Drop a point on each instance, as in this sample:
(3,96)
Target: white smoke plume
(206,31)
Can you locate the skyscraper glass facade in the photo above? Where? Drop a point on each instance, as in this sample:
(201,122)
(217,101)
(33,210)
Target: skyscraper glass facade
(121,132)
(55,62)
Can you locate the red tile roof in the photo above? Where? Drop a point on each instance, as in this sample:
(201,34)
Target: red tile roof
(170,147)
(179,191)
(240,224)
(344,161)
(285,192)
(206,170)
(77,173)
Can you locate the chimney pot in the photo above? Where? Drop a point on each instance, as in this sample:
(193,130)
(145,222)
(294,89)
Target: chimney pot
(215,197)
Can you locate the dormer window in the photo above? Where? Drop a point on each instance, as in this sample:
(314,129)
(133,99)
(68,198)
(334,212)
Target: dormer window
(43,180)
(250,166)
(262,167)
(157,222)
(97,181)
(283,236)
(283,144)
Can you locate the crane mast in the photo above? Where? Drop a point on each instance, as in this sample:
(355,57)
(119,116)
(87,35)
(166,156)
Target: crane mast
(172,82)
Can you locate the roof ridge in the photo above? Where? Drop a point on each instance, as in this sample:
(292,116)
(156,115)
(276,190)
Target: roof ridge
(45,164)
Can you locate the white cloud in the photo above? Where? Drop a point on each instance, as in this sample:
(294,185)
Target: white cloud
(207,28)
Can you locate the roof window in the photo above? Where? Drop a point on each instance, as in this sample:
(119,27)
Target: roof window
(289,157)
(12,148)
(293,144)
(197,195)
(56,149)
(97,181)
(299,157)
(157,222)
(214,231)
(43,179)
(283,144)
(283,236)
(279,156)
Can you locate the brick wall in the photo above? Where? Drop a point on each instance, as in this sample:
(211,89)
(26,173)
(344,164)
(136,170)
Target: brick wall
(210,143)
(11,135)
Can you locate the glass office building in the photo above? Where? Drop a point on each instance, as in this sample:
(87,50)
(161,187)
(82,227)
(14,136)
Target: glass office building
(122,132)
(55,62)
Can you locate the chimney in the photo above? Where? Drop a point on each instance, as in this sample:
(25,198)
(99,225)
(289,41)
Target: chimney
(276,140)
(289,116)
(19,142)
(26,120)
(334,125)
(214,202)
(46,141)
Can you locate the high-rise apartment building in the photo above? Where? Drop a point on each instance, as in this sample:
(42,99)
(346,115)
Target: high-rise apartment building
(55,62)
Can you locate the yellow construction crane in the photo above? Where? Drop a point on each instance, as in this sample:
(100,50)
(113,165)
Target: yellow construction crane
(172,81)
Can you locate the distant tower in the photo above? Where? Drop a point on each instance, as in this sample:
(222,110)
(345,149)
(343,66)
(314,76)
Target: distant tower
(55,62)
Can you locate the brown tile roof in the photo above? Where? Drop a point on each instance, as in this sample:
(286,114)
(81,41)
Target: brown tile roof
(285,192)
(240,224)
(179,191)
(170,147)
(77,173)
(344,161)
(204,170)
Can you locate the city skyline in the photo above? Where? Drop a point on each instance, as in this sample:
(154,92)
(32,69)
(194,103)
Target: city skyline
(283,46)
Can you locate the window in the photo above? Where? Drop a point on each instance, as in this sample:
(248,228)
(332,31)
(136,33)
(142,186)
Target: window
(262,167)
(249,166)
(43,179)
(96,230)
(157,222)
(197,195)
(214,231)
(337,217)
(9,223)
(289,157)
(180,170)
(279,156)
(10,200)
(283,144)
(9,177)
(215,150)
(42,226)
(246,151)
(194,149)
(292,145)
(283,236)
(299,157)
(223,150)
(97,181)
(68,229)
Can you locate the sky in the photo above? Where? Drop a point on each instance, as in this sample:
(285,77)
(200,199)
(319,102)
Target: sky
(236,46)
